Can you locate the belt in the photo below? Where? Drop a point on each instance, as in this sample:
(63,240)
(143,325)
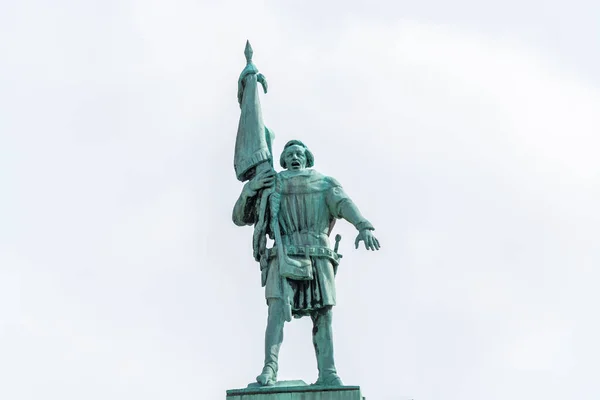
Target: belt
(308,251)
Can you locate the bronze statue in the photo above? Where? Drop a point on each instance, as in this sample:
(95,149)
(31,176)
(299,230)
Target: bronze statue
(297,208)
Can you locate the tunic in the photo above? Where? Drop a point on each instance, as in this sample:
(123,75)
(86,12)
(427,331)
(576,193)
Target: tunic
(309,205)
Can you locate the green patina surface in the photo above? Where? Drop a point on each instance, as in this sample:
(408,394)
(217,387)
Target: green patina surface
(297,208)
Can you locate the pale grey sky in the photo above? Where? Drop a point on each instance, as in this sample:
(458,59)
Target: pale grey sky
(466,132)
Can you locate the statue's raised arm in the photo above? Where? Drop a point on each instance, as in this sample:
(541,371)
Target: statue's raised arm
(253,159)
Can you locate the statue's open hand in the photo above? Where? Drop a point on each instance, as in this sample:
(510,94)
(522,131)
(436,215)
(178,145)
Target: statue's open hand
(366,235)
(263,180)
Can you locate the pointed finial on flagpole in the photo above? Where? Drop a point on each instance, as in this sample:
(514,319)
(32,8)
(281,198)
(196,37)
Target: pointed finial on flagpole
(250,69)
(248,52)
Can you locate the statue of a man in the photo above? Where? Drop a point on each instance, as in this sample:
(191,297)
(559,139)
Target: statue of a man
(299,271)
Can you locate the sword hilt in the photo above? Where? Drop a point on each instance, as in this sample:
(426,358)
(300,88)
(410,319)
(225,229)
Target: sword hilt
(338,237)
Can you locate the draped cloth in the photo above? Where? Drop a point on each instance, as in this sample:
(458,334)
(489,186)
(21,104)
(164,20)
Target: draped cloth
(253,139)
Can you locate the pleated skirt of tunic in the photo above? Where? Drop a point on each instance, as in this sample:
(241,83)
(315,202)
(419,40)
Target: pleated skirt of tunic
(308,296)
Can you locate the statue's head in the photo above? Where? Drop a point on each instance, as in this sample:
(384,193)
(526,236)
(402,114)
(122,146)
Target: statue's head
(296,156)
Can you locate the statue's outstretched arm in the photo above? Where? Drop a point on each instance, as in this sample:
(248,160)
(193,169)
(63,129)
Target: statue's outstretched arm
(350,212)
(343,207)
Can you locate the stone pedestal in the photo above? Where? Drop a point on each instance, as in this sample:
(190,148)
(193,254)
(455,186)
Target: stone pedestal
(295,390)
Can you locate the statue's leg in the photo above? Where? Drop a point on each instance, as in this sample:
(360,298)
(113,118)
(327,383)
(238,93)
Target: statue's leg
(323,343)
(273,340)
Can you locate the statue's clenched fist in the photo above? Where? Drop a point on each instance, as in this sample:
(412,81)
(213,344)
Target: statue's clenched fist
(262,180)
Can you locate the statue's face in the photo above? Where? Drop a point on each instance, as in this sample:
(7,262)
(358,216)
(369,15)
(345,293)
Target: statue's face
(295,157)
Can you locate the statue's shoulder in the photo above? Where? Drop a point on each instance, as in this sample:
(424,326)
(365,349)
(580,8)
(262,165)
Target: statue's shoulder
(328,181)
(331,181)
(307,179)
(324,182)
(306,174)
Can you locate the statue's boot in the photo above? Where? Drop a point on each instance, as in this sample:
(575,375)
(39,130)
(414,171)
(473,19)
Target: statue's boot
(268,377)
(273,340)
(323,343)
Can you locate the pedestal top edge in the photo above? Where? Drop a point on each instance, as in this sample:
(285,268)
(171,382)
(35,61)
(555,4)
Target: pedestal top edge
(290,389)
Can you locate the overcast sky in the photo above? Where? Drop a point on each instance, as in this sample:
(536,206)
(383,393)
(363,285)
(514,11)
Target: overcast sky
(467,132)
